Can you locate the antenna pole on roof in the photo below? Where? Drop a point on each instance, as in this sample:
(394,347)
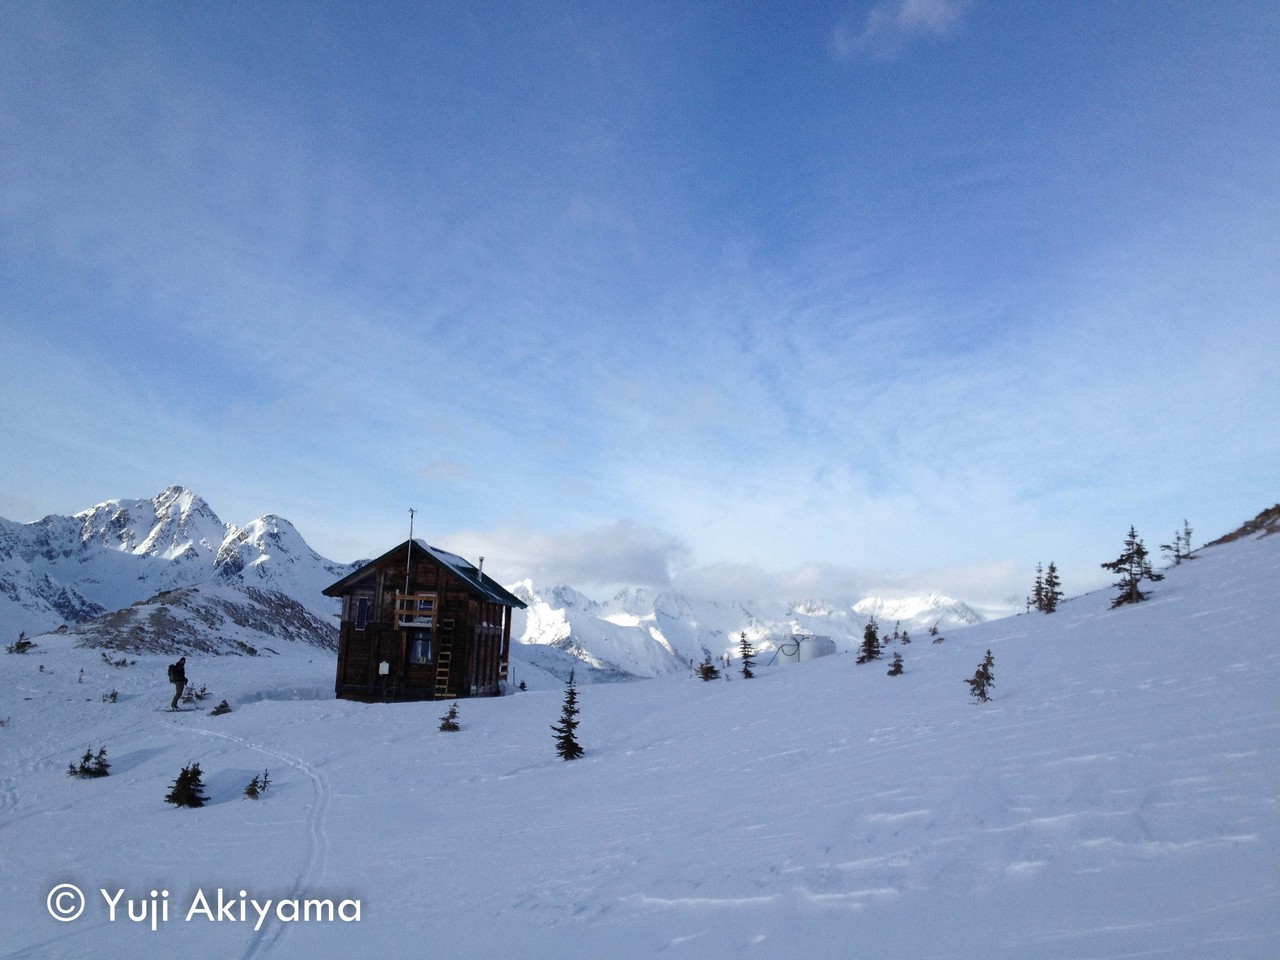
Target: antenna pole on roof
(409,554)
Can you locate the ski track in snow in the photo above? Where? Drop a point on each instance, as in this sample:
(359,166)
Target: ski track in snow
(269,937)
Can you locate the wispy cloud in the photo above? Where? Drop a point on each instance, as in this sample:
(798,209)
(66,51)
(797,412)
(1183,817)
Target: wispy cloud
(890,26)
(994,587)
(446,471)
(615,554)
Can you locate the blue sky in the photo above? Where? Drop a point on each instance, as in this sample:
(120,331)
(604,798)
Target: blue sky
(768,297)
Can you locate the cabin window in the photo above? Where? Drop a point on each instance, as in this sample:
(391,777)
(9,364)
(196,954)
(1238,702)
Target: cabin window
(360,612)
(420,646)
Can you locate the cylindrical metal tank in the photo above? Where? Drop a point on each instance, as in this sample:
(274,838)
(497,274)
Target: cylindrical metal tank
(801,647)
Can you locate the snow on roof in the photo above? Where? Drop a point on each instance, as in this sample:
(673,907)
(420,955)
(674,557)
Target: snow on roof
(480,583)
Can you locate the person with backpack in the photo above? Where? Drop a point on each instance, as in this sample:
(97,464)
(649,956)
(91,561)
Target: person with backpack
(178,677)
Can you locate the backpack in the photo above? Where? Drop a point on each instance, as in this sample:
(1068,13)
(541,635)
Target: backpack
(173,673)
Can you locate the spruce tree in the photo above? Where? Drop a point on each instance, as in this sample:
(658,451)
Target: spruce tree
(870,649)
(1052,592)
(567,746)
(982,679)
(91,765)
(188,789)
(257,786)
(1133,566)
(1180,549)
(449,722)
(707,670)
(896,670)
(748,653)
(21,645)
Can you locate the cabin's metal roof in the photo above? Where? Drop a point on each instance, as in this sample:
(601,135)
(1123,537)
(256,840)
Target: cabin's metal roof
(479,581)
(481,584)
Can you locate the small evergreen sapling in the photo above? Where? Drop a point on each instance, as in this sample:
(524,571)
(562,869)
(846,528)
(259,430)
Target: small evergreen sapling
(567,746)
(896,668)
(933,632)
(707,670)
(257,786)
(220,709)
(449,722)
(1133,566)
(1036,600)
(91,765)
(1052,589)
(188,789)
(21,645)
(870,642)
(983,679)
(748,656)
(1180,549)
(1047,591)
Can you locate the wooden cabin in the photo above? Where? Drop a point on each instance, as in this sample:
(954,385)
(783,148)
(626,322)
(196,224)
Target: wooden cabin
(420,623)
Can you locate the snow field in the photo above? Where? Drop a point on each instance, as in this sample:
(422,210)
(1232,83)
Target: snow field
(1117,798)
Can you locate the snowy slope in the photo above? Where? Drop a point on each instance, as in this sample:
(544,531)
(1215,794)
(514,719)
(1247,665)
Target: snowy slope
(270,553)
(1117,798)
(211,618)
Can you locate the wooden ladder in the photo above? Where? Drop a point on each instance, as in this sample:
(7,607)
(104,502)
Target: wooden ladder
(443,660)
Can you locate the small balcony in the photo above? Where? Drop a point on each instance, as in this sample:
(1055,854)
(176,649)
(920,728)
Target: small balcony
(415,610)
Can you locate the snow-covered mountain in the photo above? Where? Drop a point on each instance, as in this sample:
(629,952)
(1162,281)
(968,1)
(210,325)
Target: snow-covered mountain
(175,525)
(917,614)
(165,573)
(646,633)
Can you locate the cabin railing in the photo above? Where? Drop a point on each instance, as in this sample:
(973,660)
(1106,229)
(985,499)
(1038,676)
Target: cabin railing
(415,609)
